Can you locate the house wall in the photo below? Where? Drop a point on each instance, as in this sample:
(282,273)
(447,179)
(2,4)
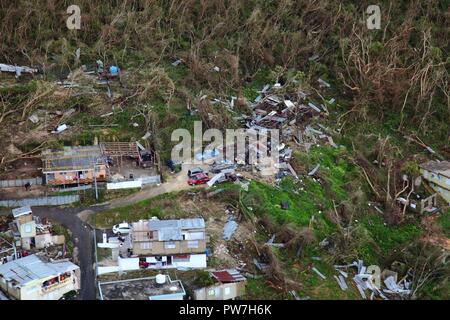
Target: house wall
(33,290)
(195,261)
(437,179)
(24,219)
(173,296)
(224,291)
(128,263)
(439,183)
(71,176)
(444,193)
(161,247)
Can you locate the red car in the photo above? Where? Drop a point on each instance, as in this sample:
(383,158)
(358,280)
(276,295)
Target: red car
(199,178)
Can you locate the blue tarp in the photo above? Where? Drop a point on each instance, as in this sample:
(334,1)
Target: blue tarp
(113,70)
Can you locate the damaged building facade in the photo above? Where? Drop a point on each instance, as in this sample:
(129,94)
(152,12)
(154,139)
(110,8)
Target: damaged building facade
(34,278)
(170,242)
(158,244)
(89,164)
(74,165)
(437,175)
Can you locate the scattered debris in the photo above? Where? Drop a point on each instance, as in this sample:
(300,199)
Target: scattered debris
(318,272)
(313,171)
(60,128)
(229,228)
(16,69)
(323,83)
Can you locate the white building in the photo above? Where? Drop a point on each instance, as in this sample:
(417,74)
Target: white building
(33,278)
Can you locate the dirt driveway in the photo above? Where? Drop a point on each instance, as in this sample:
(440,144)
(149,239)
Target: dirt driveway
(175,182)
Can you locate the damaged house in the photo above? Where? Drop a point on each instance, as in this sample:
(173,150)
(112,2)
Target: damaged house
(74,165)
(157,244)
(34,278)
(170,242)
(28,233)
(437,174)
(230,284)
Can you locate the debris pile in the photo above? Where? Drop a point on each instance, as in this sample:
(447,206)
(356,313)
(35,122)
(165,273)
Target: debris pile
(369,282)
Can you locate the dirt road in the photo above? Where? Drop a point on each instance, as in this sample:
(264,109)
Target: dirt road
(175,182)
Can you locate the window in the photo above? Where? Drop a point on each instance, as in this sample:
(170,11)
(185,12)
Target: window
(146,245)
(193,244)
(28,228)
(211,292)
(170,245)
(226,291)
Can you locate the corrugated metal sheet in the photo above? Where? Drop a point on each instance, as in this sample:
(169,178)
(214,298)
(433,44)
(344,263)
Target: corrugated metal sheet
(229,275)
(21,211)
(31,268)
(196,223)
(168,234)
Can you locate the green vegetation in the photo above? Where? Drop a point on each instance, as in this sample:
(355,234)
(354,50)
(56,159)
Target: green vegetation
(162,206)
(444,222)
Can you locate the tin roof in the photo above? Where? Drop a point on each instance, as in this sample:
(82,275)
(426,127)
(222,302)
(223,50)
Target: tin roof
(168,234)
(72,158)
(229,275)
(30,268)
(21,211)
(442,167)
(196,223)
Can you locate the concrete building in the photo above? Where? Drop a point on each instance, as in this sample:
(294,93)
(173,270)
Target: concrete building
(74,165)
(160,287)
(437,174)
(170,242)
(230,284)
(34,278)
(157,244)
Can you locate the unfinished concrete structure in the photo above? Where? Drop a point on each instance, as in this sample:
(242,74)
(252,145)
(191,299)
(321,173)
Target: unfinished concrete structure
(28,233)
(160,287)
(437,174)
(74,165)
(419,203)
(34,278)
(87,164)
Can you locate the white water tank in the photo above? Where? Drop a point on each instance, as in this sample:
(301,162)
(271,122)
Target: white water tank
(160,279)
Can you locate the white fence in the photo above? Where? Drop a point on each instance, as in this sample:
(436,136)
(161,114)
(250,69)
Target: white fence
(124,185)
(138,183)
(43,201)
(20,182)
(150,180)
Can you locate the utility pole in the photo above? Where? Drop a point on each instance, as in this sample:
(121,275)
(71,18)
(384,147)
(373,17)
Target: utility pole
(95,181)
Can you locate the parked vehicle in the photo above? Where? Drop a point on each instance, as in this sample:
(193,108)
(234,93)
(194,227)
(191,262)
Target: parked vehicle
(199,178)
(195,171)
(121,228)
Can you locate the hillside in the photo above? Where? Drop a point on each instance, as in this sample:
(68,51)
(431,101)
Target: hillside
(390,113)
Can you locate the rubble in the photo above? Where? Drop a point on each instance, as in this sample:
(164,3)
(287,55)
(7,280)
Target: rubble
(229,228)
(369,285)
(17,69)
(318,273)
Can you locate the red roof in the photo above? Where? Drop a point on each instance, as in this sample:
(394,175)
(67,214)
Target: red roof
(225,276)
